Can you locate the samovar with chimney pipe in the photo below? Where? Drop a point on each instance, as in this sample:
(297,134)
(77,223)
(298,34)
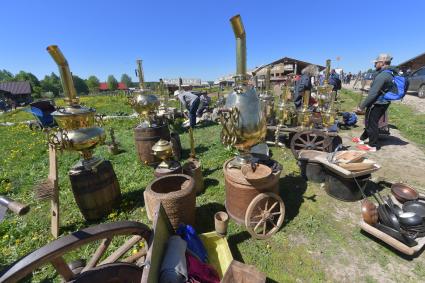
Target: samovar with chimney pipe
(327,99)
(267,100)
(244,124)
(77,127)
(143,103)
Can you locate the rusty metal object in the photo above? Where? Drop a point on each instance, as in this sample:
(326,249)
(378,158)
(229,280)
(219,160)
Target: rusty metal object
(53,252)
(240,193)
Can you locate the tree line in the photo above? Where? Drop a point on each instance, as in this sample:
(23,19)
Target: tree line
(52,83)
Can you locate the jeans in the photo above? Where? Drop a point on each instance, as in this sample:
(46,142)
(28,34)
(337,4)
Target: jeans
(192,112)
(372,116)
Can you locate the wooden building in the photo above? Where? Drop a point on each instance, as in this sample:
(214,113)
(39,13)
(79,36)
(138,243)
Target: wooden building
(413,64)
(18,92)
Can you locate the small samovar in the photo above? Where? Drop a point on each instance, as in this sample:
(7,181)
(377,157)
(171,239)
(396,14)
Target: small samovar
(244,124)
(143,103)
(164,151)
(78,130)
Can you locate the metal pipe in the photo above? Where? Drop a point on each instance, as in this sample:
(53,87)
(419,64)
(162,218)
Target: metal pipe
(65,73)
(268,73)
(140,73)
(328,71)
(240,35)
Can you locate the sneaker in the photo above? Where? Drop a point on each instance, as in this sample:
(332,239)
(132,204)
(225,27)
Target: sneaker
(357,140)
(366,147)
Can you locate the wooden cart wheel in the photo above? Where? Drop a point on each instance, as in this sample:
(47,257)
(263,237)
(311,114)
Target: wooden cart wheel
(264,215)
(313,140)
(107,268)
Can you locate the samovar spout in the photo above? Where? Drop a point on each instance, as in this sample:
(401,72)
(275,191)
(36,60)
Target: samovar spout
(240,35)
(65,73)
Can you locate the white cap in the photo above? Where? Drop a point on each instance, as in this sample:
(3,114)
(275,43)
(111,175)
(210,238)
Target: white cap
(383,57)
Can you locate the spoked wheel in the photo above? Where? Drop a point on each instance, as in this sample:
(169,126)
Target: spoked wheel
(312,140)
(106,268)
(264,215)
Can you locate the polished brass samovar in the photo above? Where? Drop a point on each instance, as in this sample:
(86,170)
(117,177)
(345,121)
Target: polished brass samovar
(244,124)
(164,151)
(267,100)
(326,99)
(143,103)
(286,112)
(77,126)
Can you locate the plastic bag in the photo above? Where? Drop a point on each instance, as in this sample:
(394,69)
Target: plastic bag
(194,244)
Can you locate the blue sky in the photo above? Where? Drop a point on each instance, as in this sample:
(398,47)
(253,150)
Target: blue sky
(195,39)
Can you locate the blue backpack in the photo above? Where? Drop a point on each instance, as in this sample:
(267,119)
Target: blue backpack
(401,84)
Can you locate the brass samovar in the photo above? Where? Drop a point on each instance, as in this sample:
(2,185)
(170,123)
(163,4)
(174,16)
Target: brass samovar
(244,124)
(267,100)
(326,98)
(143,103)
(77,126)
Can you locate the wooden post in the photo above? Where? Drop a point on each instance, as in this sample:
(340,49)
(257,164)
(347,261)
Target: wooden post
(53,178)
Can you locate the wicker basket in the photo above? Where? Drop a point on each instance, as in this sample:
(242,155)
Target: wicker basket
(178,197)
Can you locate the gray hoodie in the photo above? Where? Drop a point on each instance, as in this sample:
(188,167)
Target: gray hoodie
(382,83)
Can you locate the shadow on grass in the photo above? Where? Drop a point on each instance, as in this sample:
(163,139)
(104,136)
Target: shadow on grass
(400,254)
(205,216)
(198,149)
(292,189)
(209,171)
(236,239)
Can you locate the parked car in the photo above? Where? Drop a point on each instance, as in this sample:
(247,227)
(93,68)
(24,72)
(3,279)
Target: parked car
(417,82)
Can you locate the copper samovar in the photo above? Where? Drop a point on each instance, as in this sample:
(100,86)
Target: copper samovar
(244,124)
(77,126)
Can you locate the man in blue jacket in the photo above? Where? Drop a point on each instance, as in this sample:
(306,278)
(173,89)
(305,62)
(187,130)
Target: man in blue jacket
(374,104)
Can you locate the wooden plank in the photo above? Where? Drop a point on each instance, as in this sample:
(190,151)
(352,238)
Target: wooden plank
(62,268)
(122,250)
(97,254)
(135,256)
(53,178)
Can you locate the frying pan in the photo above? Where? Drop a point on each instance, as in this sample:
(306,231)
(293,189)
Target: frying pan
(396,235)
(415,206)
(403,192)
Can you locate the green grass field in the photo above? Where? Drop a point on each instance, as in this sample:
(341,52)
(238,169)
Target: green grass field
(318,230)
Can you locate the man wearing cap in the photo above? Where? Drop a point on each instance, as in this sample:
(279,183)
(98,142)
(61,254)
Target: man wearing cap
(191,102)
(374,104)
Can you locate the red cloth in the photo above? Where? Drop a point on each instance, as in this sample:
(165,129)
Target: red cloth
(200,271)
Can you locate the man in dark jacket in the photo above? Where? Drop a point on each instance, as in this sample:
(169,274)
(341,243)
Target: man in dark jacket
(304,83)
(191,102)
(374,103)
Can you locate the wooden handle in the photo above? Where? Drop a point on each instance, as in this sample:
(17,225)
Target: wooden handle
(14,206)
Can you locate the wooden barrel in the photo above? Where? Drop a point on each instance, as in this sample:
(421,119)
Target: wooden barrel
(175,168)
(177,195)
(193,168)
(240,193)
(145,138)
(96,192)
